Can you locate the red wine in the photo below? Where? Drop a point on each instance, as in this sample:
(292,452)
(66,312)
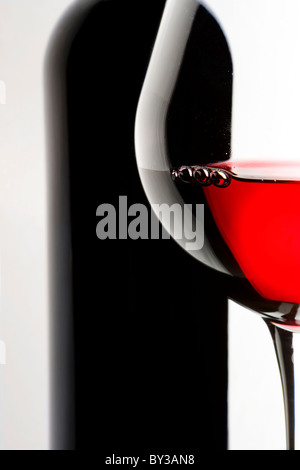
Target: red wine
(252,229)
(258,216)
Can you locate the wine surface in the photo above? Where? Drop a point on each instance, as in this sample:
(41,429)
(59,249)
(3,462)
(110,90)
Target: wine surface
(258,216)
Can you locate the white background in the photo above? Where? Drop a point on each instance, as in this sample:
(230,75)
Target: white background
(25,28)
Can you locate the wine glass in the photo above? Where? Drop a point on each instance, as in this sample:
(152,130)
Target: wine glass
(217,126)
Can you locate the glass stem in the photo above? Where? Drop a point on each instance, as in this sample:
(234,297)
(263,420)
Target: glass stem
(287,347)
